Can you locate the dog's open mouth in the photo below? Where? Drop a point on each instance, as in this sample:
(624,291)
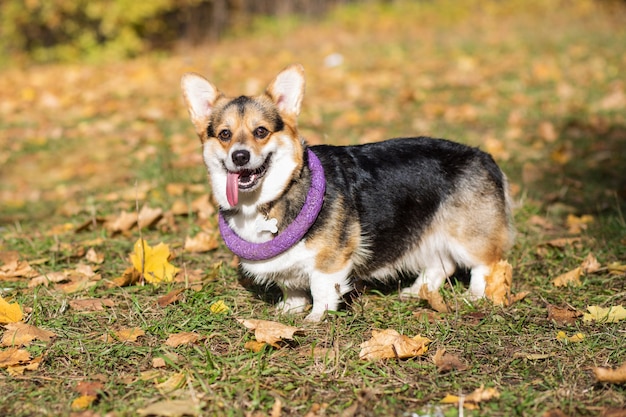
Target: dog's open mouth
(245,180)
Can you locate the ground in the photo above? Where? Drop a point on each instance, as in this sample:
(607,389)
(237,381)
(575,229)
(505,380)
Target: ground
(537,84)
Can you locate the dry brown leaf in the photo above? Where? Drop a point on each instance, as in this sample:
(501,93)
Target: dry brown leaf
(569,278)
(446,362)
(77,285)
(89,387)
(499,282)
(613,376)
(172,408)
(123,335)
(171,297)
(174,382)
(472,400)
(590,264)
(270,332)
(91,304)
(389,343)
(14,268)
(45,279)
(202,242)
(564,241)
(30,365)
(183,338)
(21,334)
(122,223)
(148,216)
(94,257)
(130,276)
(434,298)
(158,363)
(563,315)
(13,356)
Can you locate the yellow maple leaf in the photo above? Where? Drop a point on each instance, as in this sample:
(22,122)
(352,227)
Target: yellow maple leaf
(10,313)
(83,402)
(219,307)
(153,262)
(578,337)
(605,314)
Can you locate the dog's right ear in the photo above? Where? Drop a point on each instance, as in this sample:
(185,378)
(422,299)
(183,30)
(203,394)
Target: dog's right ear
(200,96)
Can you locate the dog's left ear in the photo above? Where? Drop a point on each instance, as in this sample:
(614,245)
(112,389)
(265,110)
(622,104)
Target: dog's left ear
(287,89)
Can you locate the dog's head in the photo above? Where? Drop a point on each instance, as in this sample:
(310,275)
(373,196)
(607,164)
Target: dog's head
(251,145)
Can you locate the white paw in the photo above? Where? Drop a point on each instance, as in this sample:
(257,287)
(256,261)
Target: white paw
(292,305)
(315,316)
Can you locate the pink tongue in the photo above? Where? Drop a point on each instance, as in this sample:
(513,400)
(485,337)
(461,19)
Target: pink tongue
(232,188)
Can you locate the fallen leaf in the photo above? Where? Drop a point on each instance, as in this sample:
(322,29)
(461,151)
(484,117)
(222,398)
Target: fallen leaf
(153,262)
(21,334)
(122,223)
(13,356)
(123,335)
(174,382)
(254,346)
(170,298)
(578,337)
(564,241)
(94,257)
(10,312)
(576,224)
(614,376)
(270,332)
(590,264)
(569,278)
(434,298)
(446,362)
(219,307)
(605,314)
(83,402)
(91,304)
(533,356)
(30,365)
(616,268)
(158,363)
(148,216)
(563,315)
(183,338)
(45,279)
(172,408)
(13,268)
(389,343)
(499,283)
(89,387)
(130,276)
(472,400)
(202,242)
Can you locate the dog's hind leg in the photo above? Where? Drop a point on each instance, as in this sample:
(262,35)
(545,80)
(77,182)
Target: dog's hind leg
(431,278)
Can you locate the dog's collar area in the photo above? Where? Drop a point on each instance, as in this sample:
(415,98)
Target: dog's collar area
(293,233)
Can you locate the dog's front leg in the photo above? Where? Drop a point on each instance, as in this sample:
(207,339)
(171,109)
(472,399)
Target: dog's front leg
(294,301)
(327,290)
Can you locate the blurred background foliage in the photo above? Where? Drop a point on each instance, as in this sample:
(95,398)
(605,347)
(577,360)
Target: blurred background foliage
(69,30)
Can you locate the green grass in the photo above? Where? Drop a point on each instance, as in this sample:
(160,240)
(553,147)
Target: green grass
(468,73)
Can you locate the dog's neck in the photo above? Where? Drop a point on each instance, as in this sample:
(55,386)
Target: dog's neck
(289,235)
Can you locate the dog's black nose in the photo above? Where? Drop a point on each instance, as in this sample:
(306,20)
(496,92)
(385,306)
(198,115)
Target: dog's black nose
(241,157)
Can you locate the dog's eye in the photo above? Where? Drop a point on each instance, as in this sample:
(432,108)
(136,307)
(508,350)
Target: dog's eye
(225,135)
(260,132)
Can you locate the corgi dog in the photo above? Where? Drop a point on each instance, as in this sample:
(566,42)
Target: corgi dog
(313,219)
